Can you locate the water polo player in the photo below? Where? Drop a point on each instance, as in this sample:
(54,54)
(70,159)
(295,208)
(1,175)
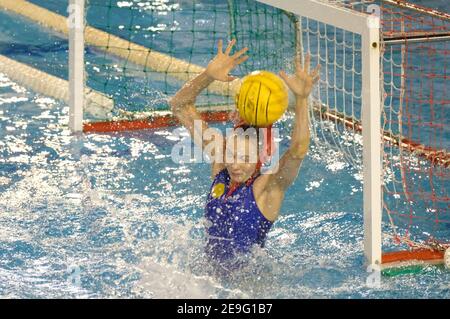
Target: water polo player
(242,203)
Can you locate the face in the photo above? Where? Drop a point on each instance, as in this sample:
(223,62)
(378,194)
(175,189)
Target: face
(241,157)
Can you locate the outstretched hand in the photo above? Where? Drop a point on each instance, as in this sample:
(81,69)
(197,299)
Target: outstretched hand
(302,81)
(222,64)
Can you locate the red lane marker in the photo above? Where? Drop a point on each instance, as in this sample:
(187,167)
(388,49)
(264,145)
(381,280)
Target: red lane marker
(420,254)
(154,122)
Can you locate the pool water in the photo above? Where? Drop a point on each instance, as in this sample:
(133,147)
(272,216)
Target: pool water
(111,215)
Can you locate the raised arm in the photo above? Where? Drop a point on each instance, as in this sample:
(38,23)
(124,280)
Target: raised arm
(301,84)
(183,103)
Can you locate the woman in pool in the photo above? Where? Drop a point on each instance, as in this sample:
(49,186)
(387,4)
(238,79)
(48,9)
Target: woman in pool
(242,204)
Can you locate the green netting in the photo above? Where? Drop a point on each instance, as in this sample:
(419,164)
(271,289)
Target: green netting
(272,35)
(184,32)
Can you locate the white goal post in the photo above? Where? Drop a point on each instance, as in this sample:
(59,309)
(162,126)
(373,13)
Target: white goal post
(75,23)
(367,26)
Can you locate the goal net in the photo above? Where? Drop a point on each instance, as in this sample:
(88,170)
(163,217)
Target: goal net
(412,71)
(415,119)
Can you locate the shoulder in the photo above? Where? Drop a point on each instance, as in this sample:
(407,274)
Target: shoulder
(268,199)
(260,183)
(264,183)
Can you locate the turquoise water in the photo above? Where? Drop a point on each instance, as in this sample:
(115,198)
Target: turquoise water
(111,215)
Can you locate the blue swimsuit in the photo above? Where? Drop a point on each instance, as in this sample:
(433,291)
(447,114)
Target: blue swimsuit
(235,222)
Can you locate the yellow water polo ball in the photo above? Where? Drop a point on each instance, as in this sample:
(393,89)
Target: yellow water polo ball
(262,98)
